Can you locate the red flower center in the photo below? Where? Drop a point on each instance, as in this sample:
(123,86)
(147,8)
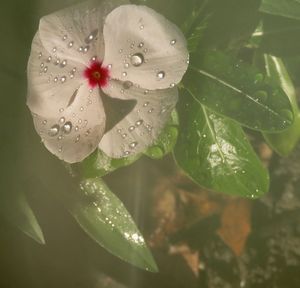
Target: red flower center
(97,74)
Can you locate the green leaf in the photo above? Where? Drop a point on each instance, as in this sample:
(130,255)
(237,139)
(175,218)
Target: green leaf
(105,219)
(279,36)
(237,90)
(16,210)
(99,164)
(283,143)
(285,8)
(166,141)
(215,152)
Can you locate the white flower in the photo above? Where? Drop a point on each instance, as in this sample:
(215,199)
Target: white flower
(84,52)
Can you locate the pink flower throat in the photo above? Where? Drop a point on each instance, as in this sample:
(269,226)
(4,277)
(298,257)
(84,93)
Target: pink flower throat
(97,74)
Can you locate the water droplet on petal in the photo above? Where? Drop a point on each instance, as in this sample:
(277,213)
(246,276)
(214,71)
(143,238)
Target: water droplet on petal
(54,130)
(127,84)
(133,145)
(142,27)
(137,59)
(63,63)
(54,49)
(63,79)
(124,74)
(141,45)
(49,59)
(62,120)
(92,36)
(65,37)
(139,122)
(172,85)
(55,79)
(161,75)
(77,139)
(71,43)
(173,42)
(131,128)
(67,128)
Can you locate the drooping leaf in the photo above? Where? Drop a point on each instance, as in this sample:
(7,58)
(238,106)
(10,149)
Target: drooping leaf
(237,90)
(283,143)
(15,208)
(215,152)
(285,8)
(166,141)
(105,219)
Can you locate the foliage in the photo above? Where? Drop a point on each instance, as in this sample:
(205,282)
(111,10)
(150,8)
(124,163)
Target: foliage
(240,75)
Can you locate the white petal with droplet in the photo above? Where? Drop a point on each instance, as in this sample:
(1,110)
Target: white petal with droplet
(163,47)
(50,91)
(143,124)
(74,133)
(64,32)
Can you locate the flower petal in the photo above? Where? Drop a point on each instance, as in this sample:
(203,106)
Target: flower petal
(51,83)
(142,126)
(75,33)
(74,133)
(144,47)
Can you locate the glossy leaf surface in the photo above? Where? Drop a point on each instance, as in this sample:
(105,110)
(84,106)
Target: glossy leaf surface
(283,143)
(105,219)
(237,90)
(216,154)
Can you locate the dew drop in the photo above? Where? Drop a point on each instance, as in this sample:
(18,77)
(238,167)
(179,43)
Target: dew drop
(45,69)
(133,145)
(142,27)
(62,120)
(131,128)
(61,110)
(172,85)
(71,43)
(126,153)
(141,45)
(44,122)
(127,84)
(49,59)
(137,59)
(173,42)
(59,137)
(92,36)
(42,65)
(94,58)
(63,79)
(121,51)
(126,65)
(124,135)
(76,128)
(150,110)
(109,66)
(146,104)
(55,79)
(40,55)
(146,92)
(56,62)
(77,139)
(86,49)
(54,49)
(65,37)
(139,122)
(63,63)
(124,74)
(54,130)
(161,75)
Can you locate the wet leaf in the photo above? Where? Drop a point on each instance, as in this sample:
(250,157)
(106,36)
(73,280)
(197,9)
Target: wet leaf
(99,164)
(15,208)
(166,141)
(285,8)
(283,143)
(105,219)
(215,152)
(235,89)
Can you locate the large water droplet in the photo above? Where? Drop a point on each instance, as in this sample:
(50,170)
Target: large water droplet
(54,130)
(67,128)
(137,59)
